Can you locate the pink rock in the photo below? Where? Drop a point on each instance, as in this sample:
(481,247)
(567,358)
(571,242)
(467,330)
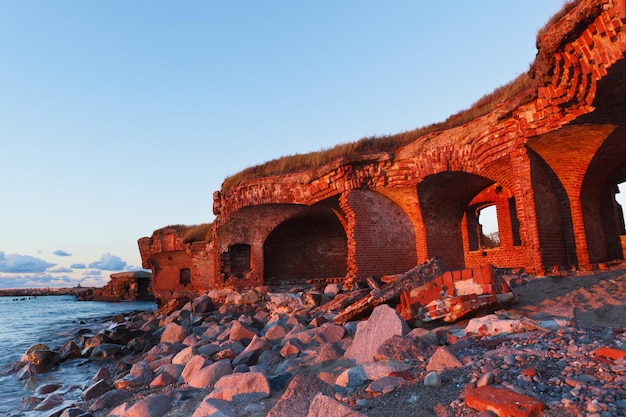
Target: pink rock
(383,323)
(196,363)
(241,388)
(298,396)
(153,406)
(212,407)
(324,406)
(209,375)
(242,333)
(442,360)
(173,333)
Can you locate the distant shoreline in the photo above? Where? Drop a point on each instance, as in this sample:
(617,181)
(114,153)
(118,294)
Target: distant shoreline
(38,292)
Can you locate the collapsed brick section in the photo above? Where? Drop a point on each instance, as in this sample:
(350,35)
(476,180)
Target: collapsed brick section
(548,160)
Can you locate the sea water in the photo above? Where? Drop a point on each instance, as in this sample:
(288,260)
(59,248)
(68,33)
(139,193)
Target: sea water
(51,320)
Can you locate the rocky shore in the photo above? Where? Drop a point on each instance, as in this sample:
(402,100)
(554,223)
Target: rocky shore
(559,351)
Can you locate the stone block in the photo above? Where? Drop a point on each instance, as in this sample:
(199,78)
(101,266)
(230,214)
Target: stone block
(503,402)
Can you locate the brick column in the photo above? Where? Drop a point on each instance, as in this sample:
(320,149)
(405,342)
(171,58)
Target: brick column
(526,209)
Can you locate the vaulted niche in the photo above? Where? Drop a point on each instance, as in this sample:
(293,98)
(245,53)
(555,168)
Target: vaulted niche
(309,246)
(599,199)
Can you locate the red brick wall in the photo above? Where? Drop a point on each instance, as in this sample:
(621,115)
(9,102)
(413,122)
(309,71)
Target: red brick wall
(166,273)
(380,235)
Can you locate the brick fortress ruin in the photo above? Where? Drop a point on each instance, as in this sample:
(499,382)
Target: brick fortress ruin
(549,161)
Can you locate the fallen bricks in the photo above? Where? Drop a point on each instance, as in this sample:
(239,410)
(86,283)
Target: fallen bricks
(426,293)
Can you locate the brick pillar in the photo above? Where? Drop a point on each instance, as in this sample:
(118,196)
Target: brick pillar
(256,264)
(526,209)
(351,267)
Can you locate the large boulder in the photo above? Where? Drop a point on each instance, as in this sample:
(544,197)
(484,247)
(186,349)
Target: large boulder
(212,407)
(325,406)
(173,333)
(383,323)
(104,351)
(209,375)
(153,406)
(242,388)
(442,360)
(298,396)
(371,371)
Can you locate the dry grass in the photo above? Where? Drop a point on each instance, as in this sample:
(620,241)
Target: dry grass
(190,234)
(567,6)
(390,143)
(371,145)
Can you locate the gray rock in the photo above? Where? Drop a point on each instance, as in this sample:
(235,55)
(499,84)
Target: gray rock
(104,351)
(386,384)
(432,379)
(371,371)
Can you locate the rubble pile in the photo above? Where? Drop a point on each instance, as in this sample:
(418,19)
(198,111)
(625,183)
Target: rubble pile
(263,352)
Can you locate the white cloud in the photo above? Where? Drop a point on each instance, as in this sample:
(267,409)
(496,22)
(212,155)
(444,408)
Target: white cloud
(109,262)
(78,266)
(36,281)
(15,263)
(60,252)
(60,270)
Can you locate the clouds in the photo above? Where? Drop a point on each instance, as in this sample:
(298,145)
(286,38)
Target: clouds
(48,281)
(109,262)
(26,271)
(16,264)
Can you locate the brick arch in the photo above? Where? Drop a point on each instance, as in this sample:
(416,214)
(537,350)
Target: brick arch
(381,235)
(443,200)
(308,246)
(555,225)
(597,198)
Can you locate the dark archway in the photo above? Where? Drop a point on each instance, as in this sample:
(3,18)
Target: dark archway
(305,247)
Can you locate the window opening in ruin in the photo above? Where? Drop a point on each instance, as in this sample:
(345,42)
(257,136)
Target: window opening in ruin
(185,277)
(488,227)
(239,259)
(620,198)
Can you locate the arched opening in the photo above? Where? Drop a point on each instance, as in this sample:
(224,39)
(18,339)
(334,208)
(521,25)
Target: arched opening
(309,246)
(445,200)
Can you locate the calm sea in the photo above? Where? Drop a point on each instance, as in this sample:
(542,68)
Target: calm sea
(51,320)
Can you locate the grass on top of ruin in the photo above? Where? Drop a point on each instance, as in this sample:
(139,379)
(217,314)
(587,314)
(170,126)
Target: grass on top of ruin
(191,234)
(390,143)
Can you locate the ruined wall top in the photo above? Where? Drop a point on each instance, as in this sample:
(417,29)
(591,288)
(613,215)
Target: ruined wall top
(575,53)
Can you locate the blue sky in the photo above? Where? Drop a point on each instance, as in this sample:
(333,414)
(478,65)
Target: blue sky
(118,118)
